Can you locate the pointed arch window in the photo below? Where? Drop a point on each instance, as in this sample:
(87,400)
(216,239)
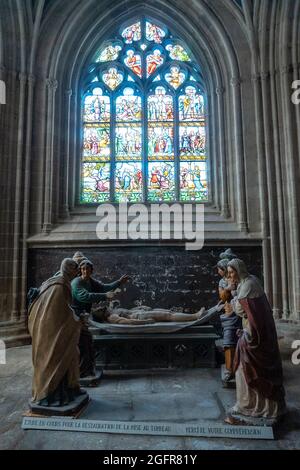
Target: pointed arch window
(144,120)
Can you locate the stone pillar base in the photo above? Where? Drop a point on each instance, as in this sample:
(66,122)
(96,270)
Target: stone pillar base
(14,334)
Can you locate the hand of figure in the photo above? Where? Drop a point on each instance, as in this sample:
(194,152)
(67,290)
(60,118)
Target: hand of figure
(125,278)
(239,333)
(228,309)
(84,318)
(110,295)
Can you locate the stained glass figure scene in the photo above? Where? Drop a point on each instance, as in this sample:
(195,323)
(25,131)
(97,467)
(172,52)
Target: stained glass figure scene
(109,53)
(193,181)
(96,107)
(128,142)
(96,143)
(192,142)
(128,106)
(177,52)
(154,33)
(112,78)
(161,182)
(95,182)
(160,106)
(132,33)
(175,77)
(160,142)
(191,105)
(144,120)
(154,60)
(129,182)
(134,62)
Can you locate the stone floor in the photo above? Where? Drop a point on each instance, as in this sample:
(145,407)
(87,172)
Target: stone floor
(178,395)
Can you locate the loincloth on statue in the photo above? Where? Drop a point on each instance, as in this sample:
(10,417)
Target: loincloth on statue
(157,327)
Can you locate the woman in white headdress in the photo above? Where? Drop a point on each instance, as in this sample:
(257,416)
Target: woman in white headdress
(259,381)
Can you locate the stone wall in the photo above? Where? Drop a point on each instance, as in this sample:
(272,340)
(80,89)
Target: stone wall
(249,53)
(161,276)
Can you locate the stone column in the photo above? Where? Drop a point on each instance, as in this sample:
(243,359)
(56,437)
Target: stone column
(263,190)
(74,150)
(239,154)
(65,212)
(26,200)
(18,210)
(48,193)
(292,194)
(225,211)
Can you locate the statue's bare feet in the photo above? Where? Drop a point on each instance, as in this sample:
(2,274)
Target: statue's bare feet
(201,313)
(234,421)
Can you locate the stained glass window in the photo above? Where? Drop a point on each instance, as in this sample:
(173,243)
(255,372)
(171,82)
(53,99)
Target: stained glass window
(144,118)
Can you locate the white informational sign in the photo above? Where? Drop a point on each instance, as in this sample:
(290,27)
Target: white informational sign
(201,429)
(2,92)
(2,352)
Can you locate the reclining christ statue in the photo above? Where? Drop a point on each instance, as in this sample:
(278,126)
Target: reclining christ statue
(143,315)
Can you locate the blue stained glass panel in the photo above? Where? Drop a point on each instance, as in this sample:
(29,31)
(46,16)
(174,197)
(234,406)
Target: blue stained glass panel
(96,142)
(191,105)
(128,106)
(160,106)
(109,53)
(161,182)
(177,52)
(175,77)
(112,78)
(154,60)
(134,62)
(160,142)
(154,33)
(128,142)
(128,182)
(96,108)
(95,182)
(191,141)
(193,181)
(132,33)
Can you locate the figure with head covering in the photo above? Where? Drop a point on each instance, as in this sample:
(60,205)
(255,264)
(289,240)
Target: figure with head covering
(259,380)
(85,291)
(55,334)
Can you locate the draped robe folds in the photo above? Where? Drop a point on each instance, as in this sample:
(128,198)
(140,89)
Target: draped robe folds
(258,367)
(55,334)
(258,353)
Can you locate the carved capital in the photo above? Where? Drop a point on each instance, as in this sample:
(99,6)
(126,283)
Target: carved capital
(51,84)
(255,78)
(31,79)
(3,72)
(22,78)
(220,90)
(285,70)
(265,75)
(235,82)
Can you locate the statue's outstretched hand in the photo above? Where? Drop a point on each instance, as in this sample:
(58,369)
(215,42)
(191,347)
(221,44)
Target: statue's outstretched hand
(125,278)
